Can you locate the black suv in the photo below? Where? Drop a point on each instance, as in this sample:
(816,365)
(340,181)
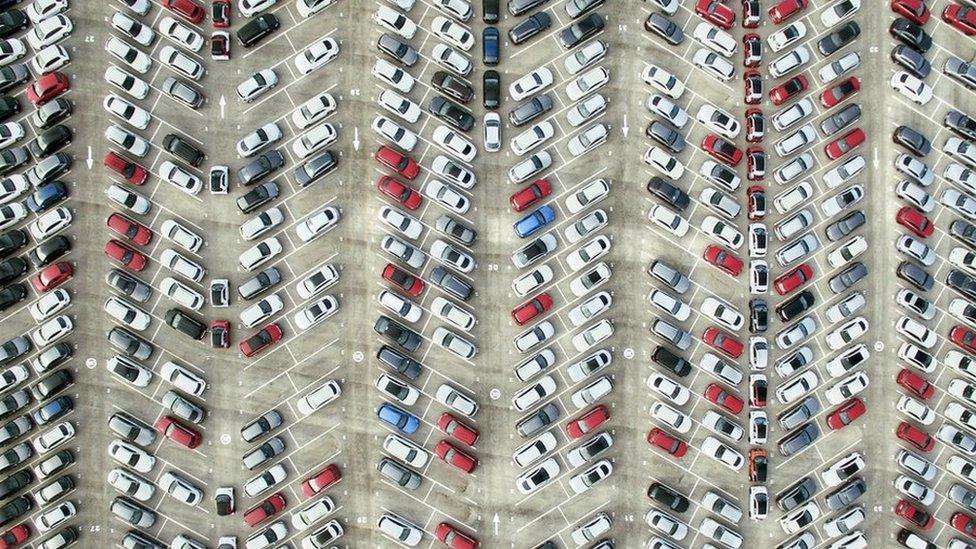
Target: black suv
(258,29)
(182,149)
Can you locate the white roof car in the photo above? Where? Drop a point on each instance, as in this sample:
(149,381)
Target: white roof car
(915,490)
(493,132)
(316,55)
(43,9)
(596,473)
(406,450)
(452,59)
(455,143)
(787,35)
(459,317)
(669,332)
(713,65)
(842,469)
(52,330)
(532,137)
(846,388)
(589,139)
(261,310)
(592,529)
(915,194)
(671,417)
(457,173)
(184,491)
(789,61)
(596,248)
(405,223)
(593,335)
(584,57)
(260,253)
(180,178)
(530,83)
(671,305)
(723,426)
(399,105)
(129,371)
(538,248)
(791,226)
(47,224)
(400,136)
(578,114)
(314,110)
(458,9)
(961,175)
(842,200)
(392,75)
(758,353)
(722,453)
(843,173)
(666,524)
(127,141)
(48,305)
(535,364)
(319,509)
(456,400)
(669,388)
(308,8)
(665,108)
(319,397)
(795,141)
(132,114)
(758,277)
(959,202)
(131,484)
(49,31)
(407,253)
(850,358)
(181,293)
(527,283)
(909,86)
(534,336)
(846,307)
(263,481)
(533,394)
(722,312)
(792,114)
(452,33)
(536,478)
(182,378)
(587,83)
(664,81)
(317,281)
(841,66)
(718,120)
(181,62)
(54,437)
(725,371)
(914,168)
(389,523)
(793,389)
(586,225)
(916,410)
(916,249)
(916,331)
(587,195)
(182,266)
(401,306)
(792,197)
(131,455)
(318,224)
(715,38)
(180,235)
(447,196)
(127,82)
(590,280)
(721,506)
(316,312)
(719,202)
(257,140)
(847,333)
(722,232)
(249,8)
(135,59)
(663,162)
(127,313)
(454,343)
(796,333)
(847,252)
(530,166)
(758,427)
(451,256)
(180,33)
(52,517)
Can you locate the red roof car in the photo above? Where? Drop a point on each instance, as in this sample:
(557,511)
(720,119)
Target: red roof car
(52,276)
(220,13)
(402,165)
(454,456)
(718,396)
(47,88)
(845,414)
(914,10)
(274,504)
(963,337)
(834,95)
(321,480)
(454,538)
(178,433)
(187,9)
(532,308)
(132,172)
(724,260)
(723,342)
(588,421)
(530,195)
(715,12)
(722,150)
(915,384)
(915,436)
(672,445)
(402,279)
(396,190)
(17,534)
(456,428)
(915,221)
(791,280)
(786,9)
(961,17)
(845,144)
(789,89)
(964,523)
(919,517)
(268,336)
(123,226)
(133,260)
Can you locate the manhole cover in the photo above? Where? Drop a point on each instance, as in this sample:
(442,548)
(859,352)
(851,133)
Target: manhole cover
(358,356)
(225,438)
(495,394)
(628,353)
(90,363)
(879,346)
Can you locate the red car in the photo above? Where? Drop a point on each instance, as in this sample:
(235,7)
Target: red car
(753,82)
(17,534)
(132,172)
(454,538)
(919,517)
(402,165)
(260,341)
(755,164)
(174,430)
(403,194)
(786,9)
(531,309)
(722,150)
(914,10)
(715,12)
(131,259)
(672,445)
(187,9)
(403,280)
(845,414)
(840,92)
(220,13)
(52,276)
(273,505)
(791,280)
(723,342)
(751,50)
(47,88)
(719,397)
(123,226)
(452,455)
(915,436)
(964,523)
(789,89)
(963,337)
(915,221)
(587,422)
(756,198)
(961,17)
(723,260)
(915,384)
(321,480)
(843,145)
(530,195)
(755,125)
(456,428)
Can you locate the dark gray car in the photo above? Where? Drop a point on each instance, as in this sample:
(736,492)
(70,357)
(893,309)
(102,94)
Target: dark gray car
(531,26)
(257,197)
(451,283)
(530,109)
(668,192)
(964,231)
(846,494)
(391,329)
(666,135)
(12,75)
(839,38)
(545,416)
(796,495)
(581,30)
(962,283)
(848,277)
(259,283)
(800,413)
(399,362)
(455,229)
(13,348)
(130,344)
(665,28)
(847,225)
(398,474)
(260,167)
(913,140)
(961,124)
(398,50)
(843,118)
(317,167)
(915,275)
(962,72)
(450,112)
(911,60)
(797,441)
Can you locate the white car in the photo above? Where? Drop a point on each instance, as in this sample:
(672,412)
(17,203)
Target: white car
(180,178)
(308,8)
(850,358)
(915,194)
(52,517)
(49,31)
(916,410)
(666,524)
(586,225)
(180,33)
(449,255)
(314,110)
(452,59)
(258,140)
(847,333)
(663,162)
(841,66)
(535,364)
(260,253)
(593,335)
(404,223)
(532,137)
(796,333)
(723,426)
(47,224)
(452,33)
(959,202)
(795,388)
(961,175)
(447,196)
(50,59)
(840,201)
(127,141)
(257,85)
(588,253)
(261,310)
(132,28)
(671,417)
(665,108)
(846,307)
(960,149)
(916,249)
(533,394)
(454,343)
(493,132)
(181,62)
(51,331)
(671,305)
(49,304)
(909,86)
(722,312)
(847,252)
(530,83)
(455,143)
(319,509)
(534,336)
(319,397)
(54,437)
(662,80)
(137,60)
(456,400)
(675,392)
(406,450)
(843,468)
(579,114)
(715,38)
(538,477)
(126,111)
(587,195)
(792,114)
(131,484)
(449,312)
(789,199)
(318,224)
(915,169)
(131,455)
(127,82)
(317,281)
(400,136)
(843,173)
(592,529)
(587,83)
(722,232)
(916,331)
(395,21)
(316,55)
(40,10)
(530,281)
(786,36)
(450,169)
(529,167)
(388,73)
(181,293)
(720,203)
(185,492)
(401,306)
(795,141)
(181,236)
(316,312)
(846,388)
(722,453)
(915,490)
(407,253)
(399,105)
(596,473)
(586,56)
(127,313)
(789,62)
(714,65)
(589,139)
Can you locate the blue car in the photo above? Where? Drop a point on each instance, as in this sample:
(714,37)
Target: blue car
(533,221)
(46,196)
(404,421)
(53,410)
(489,45)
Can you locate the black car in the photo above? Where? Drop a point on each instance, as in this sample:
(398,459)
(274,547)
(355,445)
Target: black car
(50,141)
(11,269)
(398,50)
(845,226)
(49,251)
(518,7)
(451,283)
(9,106)
(911,60)
(666,135)
(796,495)
(912,139)
(12,295)
(224,502)
(15,483)
(795,306)
(11,241)
(840,120)
(576,8)
(316,168)
(839,38)
(962,283)
(46,195)
(670,361)
(530,109)
(490,46)
(257,29)
(182,322)
(183,149)
(401,335)
(668,497)
(758,316)
(910,34)
(492,86)
(529,27)
(52,384)
(15,508)
(961,124)
(453,86)
(665,28)
(260,167)
(399,363)
(914,275)
(11,21)
(668,192)
(581,30)
(964,231)
(489,11)
(450,112)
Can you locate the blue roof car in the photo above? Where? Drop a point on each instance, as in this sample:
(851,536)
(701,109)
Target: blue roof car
(534,221)
(402,420)
(53,410)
